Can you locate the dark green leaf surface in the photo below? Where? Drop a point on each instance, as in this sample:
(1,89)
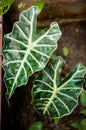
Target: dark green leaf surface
(25,52)
(55,98)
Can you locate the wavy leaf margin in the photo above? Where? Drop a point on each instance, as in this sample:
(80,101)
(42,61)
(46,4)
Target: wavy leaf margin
(54,98)
(26,52)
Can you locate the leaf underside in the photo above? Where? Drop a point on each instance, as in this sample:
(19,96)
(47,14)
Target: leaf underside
(52,97)
(26,52)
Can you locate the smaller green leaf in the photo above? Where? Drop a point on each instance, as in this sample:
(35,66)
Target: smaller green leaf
(75,125)
(5,5)
(54,97)
(36,126)
(83,124)
(53,56)
(79,125)
(83,98)
(39,4)
(83,112)
(56,120)
(65,51)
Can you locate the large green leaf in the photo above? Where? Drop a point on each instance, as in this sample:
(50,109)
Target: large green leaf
(55,98)
(24,51)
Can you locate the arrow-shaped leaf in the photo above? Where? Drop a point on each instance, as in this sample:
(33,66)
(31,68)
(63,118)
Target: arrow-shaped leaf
(55,98)
(25,52)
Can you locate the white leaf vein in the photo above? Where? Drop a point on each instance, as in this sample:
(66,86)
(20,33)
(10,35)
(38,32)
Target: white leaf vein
(39,52)
(70,88)
(36,60)
(45,45)
(48,75)
(11,62)
(24,71)
(29,66)
(9,50)
(25,18)
(67,96)
(9,78)
(41,99)
(63,103)
(44,91)
(44,83)
(20,30)
(16,40)
(56,109)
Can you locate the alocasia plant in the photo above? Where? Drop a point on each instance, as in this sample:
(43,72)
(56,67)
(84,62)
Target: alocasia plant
(26,52)
(53,97)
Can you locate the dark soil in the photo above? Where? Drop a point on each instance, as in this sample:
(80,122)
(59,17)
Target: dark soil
(74,38)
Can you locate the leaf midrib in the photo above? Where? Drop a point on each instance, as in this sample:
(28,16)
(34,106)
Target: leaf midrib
(22,64)
(55,88)
(31,45)
(24,59)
